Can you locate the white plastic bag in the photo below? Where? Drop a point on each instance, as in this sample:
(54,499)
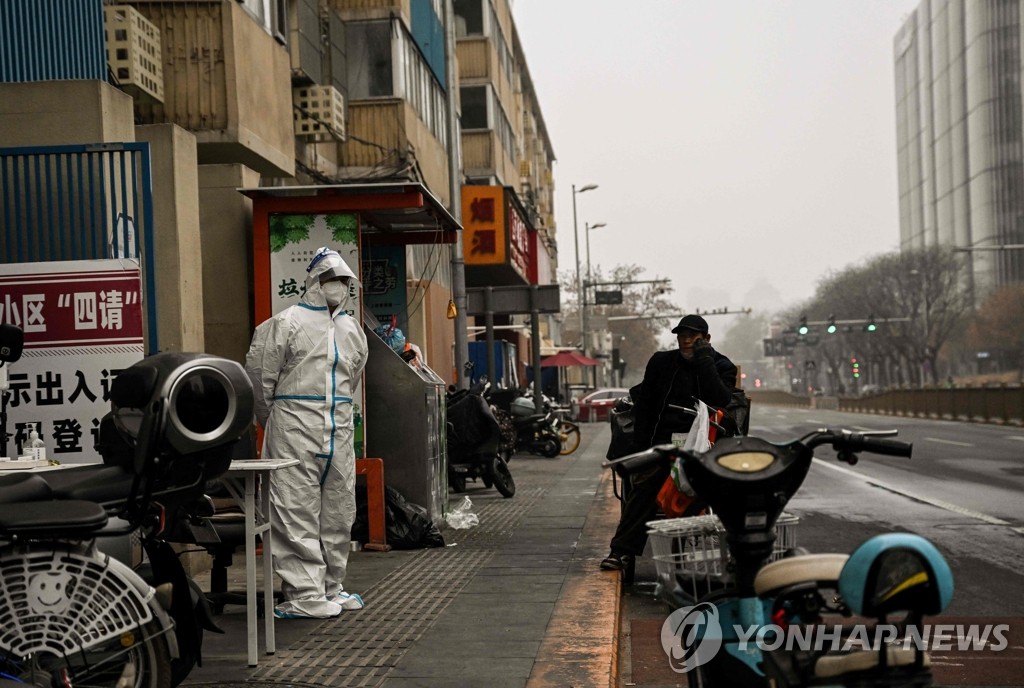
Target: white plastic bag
(697,440)
(461,518)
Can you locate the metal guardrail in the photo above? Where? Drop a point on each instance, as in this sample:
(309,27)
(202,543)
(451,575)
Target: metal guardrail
(1004,405)
(999,405)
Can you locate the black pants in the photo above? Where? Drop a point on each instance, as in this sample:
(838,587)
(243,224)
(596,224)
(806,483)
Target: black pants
(639,506)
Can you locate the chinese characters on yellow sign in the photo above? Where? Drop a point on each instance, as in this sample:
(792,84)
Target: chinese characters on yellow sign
(495,232)
(483,221)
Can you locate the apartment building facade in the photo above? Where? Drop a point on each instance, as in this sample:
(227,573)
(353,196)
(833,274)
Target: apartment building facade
(960,135)
(275,94)
(508,161)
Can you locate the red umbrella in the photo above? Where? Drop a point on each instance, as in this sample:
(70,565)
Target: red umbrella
(567,358)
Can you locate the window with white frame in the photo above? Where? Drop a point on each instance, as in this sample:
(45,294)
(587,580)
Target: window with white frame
(272,15)
(482,110)
(369,67)
(474,107)
(469,17)
(383,61)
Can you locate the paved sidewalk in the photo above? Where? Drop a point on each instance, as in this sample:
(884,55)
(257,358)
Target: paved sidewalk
(515,601)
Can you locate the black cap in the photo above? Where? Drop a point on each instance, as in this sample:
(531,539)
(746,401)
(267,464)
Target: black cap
(691,322)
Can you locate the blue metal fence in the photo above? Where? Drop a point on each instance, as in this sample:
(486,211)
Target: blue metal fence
(44,40)
(80,203)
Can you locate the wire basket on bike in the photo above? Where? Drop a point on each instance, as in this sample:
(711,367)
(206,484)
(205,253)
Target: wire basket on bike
(691,555)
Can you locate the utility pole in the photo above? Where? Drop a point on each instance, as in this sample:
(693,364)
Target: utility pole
(461,354)
(580,293)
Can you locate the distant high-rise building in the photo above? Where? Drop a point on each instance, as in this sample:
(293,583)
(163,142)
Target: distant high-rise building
(960,134)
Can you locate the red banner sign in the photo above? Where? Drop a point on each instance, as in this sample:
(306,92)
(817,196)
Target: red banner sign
(81,308)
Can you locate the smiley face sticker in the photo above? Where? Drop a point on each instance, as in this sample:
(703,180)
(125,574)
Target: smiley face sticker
(50,592)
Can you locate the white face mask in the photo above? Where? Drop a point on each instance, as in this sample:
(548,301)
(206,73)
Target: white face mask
(335,291)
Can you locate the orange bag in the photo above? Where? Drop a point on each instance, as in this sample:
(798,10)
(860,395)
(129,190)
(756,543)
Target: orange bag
(673,502)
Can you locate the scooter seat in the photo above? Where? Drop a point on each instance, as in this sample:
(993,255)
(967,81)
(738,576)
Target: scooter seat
(831,666)
(53,519)
(101,484)
(807,568)
(23,487)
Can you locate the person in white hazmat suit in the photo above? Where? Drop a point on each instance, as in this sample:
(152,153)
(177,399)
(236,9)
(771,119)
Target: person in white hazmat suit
(304,363)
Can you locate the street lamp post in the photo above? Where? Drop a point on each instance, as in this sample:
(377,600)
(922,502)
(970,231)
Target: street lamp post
(586,286)
(576,239)
(590,276)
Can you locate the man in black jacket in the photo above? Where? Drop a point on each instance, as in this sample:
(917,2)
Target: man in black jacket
(676,378)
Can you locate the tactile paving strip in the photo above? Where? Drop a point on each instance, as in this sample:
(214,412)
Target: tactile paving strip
(360,649)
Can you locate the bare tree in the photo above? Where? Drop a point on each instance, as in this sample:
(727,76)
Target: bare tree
(916,299)
(634,325)
(927,291)
(999,325)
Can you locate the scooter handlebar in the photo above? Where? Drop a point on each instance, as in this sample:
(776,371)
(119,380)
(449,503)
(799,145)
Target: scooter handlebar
(846,442)
(631,463)
(881,445)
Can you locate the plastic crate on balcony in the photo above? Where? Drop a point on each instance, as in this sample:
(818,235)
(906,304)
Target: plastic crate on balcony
(319,113)
(691,554)
(133,52)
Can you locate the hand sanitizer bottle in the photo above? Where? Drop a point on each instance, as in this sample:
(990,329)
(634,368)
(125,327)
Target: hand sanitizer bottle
(36,446)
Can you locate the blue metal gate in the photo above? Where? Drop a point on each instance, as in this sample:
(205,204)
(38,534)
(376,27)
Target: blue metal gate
(81,203)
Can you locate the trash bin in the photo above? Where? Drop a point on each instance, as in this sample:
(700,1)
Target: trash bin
(404,425)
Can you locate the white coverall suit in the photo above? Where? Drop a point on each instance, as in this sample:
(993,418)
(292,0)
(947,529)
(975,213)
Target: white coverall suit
(304,363)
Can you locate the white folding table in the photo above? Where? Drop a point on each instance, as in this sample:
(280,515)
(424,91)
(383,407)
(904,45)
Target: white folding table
(240,482)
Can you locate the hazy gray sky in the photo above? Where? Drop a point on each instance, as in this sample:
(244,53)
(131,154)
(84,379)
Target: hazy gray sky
(743,149)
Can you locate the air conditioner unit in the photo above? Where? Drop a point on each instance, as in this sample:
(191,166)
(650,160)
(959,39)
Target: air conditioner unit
(133,52)
(524,168)
(319,113)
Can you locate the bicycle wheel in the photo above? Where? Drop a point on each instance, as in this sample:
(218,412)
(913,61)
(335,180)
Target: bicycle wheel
(137,659)
(74,616)
(570,434)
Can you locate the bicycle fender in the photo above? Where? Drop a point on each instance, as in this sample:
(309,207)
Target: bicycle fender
(148,593)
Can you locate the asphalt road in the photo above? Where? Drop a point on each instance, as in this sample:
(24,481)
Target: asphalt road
(963,489)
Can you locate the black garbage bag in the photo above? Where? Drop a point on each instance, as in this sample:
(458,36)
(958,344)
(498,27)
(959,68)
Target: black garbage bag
(406,524)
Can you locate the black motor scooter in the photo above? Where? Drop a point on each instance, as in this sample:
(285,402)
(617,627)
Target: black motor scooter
(474,442)
(72,615)
(545,434)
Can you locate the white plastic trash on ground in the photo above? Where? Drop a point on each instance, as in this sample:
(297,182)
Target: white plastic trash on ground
(461,517)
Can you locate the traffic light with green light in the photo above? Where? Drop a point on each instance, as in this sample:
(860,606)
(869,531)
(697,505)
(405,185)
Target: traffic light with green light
(831,329)
(803,329)
(855,368)
(871,326)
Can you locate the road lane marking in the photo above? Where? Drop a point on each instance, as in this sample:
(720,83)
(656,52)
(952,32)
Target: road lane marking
(942,441)
(941,504)
(1016,437)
